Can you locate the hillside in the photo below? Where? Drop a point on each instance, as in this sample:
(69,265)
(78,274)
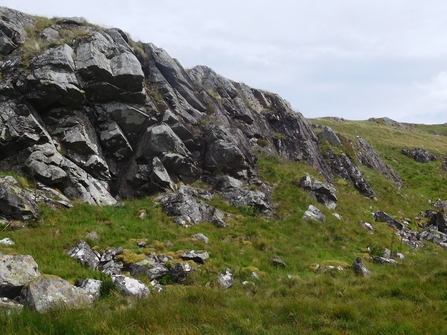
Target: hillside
(193,187)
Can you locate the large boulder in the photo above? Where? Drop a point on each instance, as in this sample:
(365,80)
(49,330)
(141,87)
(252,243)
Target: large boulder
(15,202)
(50,292)
(15,272)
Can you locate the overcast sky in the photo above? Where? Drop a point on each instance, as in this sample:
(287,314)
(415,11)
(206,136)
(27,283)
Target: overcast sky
(354,59)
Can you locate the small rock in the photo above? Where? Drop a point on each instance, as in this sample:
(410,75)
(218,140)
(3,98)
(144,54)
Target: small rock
(225,281)
(313,213)
(367,226)
(131,286)
(198,256)
(277,261)
(7,241)
(359,268)
(93,236)
(200,237)
(141,214)
(141,244)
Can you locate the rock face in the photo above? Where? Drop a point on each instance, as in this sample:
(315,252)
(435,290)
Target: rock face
(98,117)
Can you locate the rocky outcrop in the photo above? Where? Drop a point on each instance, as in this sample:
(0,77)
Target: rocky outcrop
(343,167)
(100,117)
(419,155)
(369,157)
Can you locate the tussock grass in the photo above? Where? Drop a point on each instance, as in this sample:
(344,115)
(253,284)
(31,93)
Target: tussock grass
(406,298)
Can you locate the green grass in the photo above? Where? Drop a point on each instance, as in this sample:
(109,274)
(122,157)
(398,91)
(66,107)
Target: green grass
(406,298)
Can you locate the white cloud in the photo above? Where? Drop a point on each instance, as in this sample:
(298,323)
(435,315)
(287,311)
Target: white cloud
(348,58)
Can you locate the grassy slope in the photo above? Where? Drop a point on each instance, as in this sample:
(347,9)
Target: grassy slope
(408,298)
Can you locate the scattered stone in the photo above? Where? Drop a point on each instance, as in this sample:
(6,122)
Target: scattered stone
(130,286)
(180,271)
(225,281)
(7,241)
(338,216)
(277,261)
(11,306)
(322,192)
(142,244)
(198,256)
(360,268)
(85,254)
(157,272)
(313,213)
(141,214)
(380,216)
(92,236)
(367,226)
(383,260)
(92,287)
(200,237)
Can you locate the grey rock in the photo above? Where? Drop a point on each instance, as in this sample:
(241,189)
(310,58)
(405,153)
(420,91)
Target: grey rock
(53,79)
(115,141)
(343,167)
(83,253)
(10,306)
(329,135)
(313,213)
(91,287)
(49,34)
(419,155)
(15,202)
(180,271)
(322,192)
(13,25)
(15,272)
(198,256)
(130,286)
(140,268)
(381,216)
(369,157)
(360,268)
(367,226)
(388,122)
(225,280)
(160,177)
(157,272)
(188,211)
(200,237)
(7,241)
(93,236)
(50,292)
(383,260)
(277,261)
